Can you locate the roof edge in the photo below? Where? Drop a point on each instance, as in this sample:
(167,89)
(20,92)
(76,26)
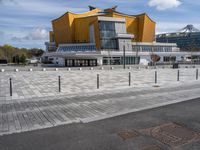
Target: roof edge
(146,15)
(68,12)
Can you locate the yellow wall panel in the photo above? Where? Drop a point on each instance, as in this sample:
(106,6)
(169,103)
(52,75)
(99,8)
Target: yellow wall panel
(74,28)
(51,36)
(149,30)
(82,29)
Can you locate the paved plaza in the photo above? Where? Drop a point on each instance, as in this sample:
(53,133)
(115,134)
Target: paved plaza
(27,84)
(36,102)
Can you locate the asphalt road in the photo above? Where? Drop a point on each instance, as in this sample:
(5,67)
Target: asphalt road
(103,135)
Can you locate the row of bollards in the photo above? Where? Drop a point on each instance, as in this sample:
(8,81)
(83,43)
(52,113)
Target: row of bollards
(98,80)
(178,75)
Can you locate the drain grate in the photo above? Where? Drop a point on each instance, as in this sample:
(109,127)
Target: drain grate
(172,134)
(128,134)
(152,148)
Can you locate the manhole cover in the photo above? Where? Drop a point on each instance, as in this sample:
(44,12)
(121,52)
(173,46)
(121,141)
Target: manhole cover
(152,148)
(128,134)
(172,134)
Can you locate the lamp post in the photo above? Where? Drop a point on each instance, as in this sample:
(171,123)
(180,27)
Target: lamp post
(137,54)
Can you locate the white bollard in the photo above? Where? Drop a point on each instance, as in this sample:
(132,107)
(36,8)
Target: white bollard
(2,70)
(30,69)
(56,69)
(80,68)
(129,67)
(102,68)
(69,69)
(44,69)
(16,70)
(91,68)
(112,68)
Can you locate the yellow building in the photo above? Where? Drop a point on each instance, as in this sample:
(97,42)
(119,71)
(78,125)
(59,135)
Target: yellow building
(104,37)
(102,27)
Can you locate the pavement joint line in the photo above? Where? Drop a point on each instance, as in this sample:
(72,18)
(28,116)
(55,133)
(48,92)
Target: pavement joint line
(88,120)
(117,92)
(129,89)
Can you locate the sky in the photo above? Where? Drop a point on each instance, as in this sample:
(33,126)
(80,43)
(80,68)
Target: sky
(26,23)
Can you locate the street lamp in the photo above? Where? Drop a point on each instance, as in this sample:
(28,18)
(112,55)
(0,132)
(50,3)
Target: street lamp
(137,62)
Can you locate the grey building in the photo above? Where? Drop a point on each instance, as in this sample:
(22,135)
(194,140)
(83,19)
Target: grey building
(187,39)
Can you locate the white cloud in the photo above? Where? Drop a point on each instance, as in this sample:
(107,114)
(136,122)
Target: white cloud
(164,4)
(166,27)
(38,34)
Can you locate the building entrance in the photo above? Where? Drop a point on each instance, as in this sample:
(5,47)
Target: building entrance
(80,62)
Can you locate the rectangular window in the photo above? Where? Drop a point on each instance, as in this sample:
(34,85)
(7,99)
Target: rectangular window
(107,35)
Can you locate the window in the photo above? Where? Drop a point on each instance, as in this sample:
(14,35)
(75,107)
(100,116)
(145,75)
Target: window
(108,44)
(120,27)
(107,26)
(72,48)
(169,58)
(107,35)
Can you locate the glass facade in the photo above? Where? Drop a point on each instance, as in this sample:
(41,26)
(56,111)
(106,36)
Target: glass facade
(77,48)
(152,48)
(80,62)
(107,35)
(185,41)
(169,58)
(108,31)
(129,60)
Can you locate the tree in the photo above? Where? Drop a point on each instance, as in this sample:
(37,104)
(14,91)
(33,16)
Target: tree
(23,59)
(35,52)
(16,59)
(11,54)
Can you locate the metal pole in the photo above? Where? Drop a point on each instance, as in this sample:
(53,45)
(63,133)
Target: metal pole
(129,79)
(178,76)
(197,74)
(124,57)
(10,86)
(155,77)
(59,84)
(97,81)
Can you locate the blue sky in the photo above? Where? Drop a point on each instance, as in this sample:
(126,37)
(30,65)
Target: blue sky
(25,23)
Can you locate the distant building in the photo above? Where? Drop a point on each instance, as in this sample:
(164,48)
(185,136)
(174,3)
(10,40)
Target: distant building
(32,60)
(100,37)
(187,39)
